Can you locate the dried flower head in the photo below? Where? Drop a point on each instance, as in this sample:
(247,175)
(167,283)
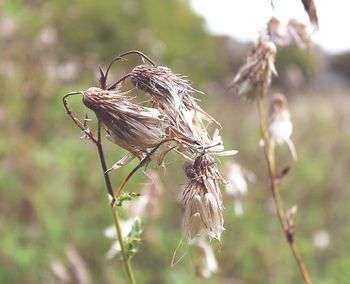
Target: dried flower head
(294,33)
(171,95)
(254,76)
(202,199)
(133,127)
(236,185)
(275,32)
(280,124)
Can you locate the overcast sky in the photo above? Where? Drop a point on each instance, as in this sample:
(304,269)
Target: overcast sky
(243,19)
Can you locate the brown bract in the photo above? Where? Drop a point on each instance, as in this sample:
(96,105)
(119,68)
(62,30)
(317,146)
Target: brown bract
(133,127)
(254,76)
(171,95)
(202,199)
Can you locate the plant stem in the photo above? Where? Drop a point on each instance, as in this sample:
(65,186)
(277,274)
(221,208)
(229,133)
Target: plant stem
(270,158)
(126,260)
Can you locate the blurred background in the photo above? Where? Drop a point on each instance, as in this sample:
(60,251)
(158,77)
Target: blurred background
(53,206)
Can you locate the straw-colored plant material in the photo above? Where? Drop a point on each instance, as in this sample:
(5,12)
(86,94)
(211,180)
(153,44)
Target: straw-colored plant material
(254,77)
(205,263)
(298,34)
(171,95)
(236,186)
(294,33)
(202,199)
(310,8)
(280,124)
(131,126)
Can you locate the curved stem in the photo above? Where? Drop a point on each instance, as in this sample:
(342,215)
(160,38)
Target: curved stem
(270,158)
(118,228)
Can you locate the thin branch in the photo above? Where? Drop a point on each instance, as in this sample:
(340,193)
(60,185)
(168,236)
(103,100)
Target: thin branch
(75,119)
(98,143)
(270,158)
(139,165)
(126,259)
(103,164)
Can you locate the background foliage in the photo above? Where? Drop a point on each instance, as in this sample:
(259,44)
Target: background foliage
(52,194)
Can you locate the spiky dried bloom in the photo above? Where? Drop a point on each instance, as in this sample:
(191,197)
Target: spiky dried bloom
(133,127)
(202,199)
(275,32)
(280,124)
(294,33)
(254,76)
(171,95)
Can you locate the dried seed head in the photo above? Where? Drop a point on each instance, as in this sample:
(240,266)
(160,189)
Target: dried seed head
(131,126)
(294,33)
(171,95)
(236,186)
(280,124)
(255,75)
(202,199)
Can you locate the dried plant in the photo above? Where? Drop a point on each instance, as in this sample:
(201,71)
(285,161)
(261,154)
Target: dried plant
(253,80)
(133,127)
(294,33)
(205,263)
(173,115)
(254,77)
(236,184)
(202,199)
(280,124)
(171,95)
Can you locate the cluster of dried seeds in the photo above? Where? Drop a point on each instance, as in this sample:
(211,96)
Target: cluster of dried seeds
(173,118)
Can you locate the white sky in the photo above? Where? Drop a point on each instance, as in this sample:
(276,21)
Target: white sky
(243,19)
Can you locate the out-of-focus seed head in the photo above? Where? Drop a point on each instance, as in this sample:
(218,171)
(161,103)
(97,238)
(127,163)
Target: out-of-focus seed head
(280,124)
(131,126)
(206,263)
(294,33)
(202,199)
(254,76)
(236,186)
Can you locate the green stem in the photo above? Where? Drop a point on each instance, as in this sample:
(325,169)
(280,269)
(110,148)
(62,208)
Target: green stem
(126,259)
(270,158)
